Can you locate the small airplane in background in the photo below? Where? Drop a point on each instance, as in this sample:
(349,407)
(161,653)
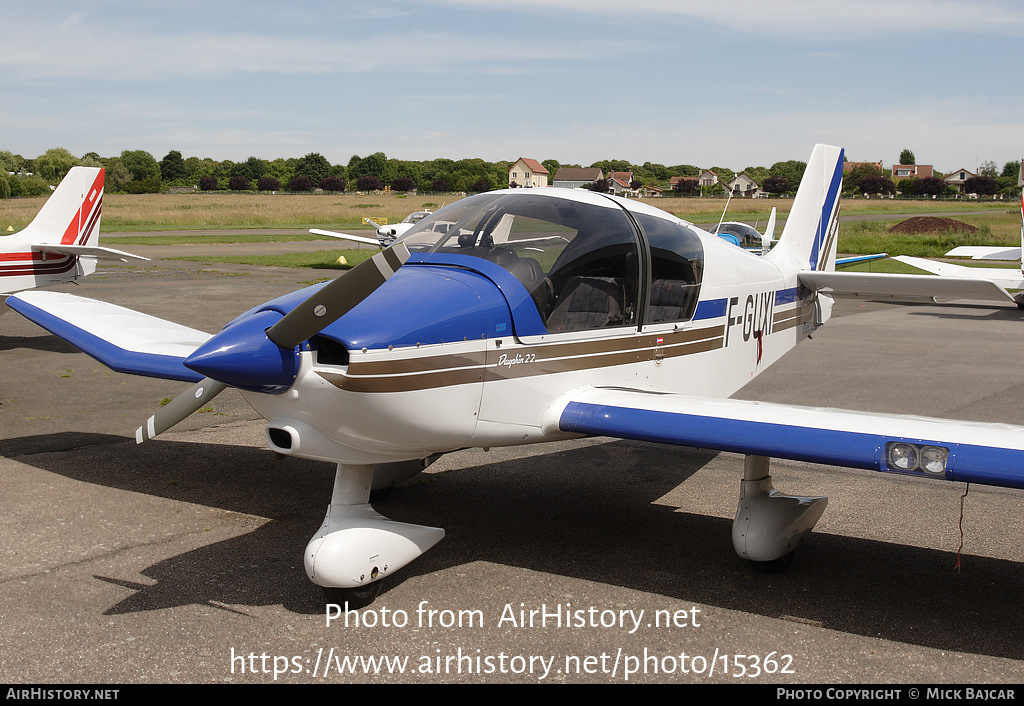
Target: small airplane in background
(1005,277)
(61,243)
(749,238)
(386,234)
(746,236)
(532,315)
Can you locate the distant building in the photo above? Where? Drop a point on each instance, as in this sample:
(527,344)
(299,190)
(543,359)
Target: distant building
(707,178)
(911,171)
(527,173)
(575,177)
(957,178)
(744,186)
(619,182)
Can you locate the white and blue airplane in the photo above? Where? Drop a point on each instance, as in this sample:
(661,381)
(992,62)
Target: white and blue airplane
(61,243)
(589,315)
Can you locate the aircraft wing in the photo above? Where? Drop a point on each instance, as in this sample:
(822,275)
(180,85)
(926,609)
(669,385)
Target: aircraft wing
(1002,276)
(96,251)
(991,454)
(984,252)
(877,284)
(123,340)
(345,236)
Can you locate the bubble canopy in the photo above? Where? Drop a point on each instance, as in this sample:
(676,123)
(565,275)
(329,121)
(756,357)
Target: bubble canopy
(587,260)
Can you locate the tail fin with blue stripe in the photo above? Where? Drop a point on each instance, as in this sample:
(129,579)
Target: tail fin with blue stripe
(808,241)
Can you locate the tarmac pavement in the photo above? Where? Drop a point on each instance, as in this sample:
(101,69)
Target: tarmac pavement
(180,560)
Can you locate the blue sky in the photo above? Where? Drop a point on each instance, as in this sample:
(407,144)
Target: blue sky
(737,84)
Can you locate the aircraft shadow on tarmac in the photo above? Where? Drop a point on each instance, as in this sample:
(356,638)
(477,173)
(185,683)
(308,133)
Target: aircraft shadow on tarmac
(940,309)
(47,344)
(585,513)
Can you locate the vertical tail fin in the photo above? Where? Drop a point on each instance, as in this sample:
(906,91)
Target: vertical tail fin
(808,241)
(71,216)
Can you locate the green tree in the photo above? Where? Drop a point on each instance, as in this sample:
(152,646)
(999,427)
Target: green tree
(141,165)
(983,184)
(172,167)
(907,157)
(118,176)
(988,169)
(374,166)
(10,162)
(53,164)
(683,170)
(758,174)
(552,166)
(613,165)
(313,166)
(91,159)
(32,186)
(853,177)
(792,171)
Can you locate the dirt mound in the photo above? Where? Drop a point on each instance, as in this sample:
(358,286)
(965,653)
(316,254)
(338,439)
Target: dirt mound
(931,224)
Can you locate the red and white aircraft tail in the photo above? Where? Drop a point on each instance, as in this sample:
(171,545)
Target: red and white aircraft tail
(61,242)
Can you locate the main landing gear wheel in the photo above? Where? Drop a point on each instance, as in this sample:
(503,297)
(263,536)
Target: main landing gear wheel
(353,598)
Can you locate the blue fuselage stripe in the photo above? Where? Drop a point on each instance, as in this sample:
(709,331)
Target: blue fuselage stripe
(710,309)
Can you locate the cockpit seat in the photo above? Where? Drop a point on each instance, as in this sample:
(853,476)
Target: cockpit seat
(672,300)
(587,302)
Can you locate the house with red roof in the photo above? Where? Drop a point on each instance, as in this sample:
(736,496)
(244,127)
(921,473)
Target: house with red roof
(527,173)
(911,171)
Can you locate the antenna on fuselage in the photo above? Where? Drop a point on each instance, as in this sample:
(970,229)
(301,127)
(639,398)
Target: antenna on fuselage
(722,219)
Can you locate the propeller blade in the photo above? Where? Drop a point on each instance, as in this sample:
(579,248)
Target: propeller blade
(180,407)
(339,297)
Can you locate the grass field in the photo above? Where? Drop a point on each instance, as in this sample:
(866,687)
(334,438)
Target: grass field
(149,212)
(998,222)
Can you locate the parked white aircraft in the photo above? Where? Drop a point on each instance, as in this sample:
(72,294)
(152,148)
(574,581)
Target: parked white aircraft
(1005,277)
(60,244)
(386,234)
(534,315)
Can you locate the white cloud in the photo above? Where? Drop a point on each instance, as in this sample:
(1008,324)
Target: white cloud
(824,18)
(98,51)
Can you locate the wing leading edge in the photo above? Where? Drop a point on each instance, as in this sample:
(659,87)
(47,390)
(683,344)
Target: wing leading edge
(123,340)
(990,454)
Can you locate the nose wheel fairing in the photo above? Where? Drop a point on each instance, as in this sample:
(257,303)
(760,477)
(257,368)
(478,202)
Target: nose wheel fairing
(356,546)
